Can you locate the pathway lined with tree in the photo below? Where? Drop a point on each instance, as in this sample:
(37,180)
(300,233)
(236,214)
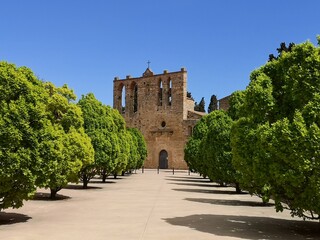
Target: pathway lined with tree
(152,206)
(47,140)
(268,143)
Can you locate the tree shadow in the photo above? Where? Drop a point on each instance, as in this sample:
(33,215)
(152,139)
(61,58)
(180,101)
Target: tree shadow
(176,171)
(208,191)
(227,202)
(80,187)
(118,178)
(12,218)
(41,196)
(249,227)
(205,184)
(190,177)
(100,182)
(196,180)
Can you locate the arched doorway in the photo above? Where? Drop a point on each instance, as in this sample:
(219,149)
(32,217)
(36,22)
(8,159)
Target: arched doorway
(163,159)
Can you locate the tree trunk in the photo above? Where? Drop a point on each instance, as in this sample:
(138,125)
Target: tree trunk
(85,181)
(238,189)
(53,193)
(104,175)
(115,175)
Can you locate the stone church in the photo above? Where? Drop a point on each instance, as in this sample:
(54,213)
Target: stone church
(157,104)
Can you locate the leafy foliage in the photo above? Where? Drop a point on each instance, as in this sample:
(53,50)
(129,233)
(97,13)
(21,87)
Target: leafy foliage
(43,143)
(140,145)
(201,106)
(216,148)
(116,149)
(236,104)
(100,128)
(283,48)
(192,151)
(275,143)
(208,151)
(189,95)
(21,118)
(213,105)
(64,146)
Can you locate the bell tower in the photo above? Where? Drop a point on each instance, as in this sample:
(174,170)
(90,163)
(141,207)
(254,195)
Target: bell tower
(158,106)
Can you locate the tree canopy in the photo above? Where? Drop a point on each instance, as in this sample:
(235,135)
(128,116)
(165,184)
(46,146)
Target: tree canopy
(116,148)
(275,141)
(213,105)
(21,118)
(216,149)
(100,127)
(140,145)
(42,141)
(208,151)
(65,148)
(201,106)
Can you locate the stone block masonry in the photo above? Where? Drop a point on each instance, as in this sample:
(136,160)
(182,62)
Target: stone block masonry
(158,106)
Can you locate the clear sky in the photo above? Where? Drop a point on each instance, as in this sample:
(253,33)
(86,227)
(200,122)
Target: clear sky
(85,44)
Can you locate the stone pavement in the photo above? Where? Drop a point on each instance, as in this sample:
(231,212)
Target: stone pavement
(151,206)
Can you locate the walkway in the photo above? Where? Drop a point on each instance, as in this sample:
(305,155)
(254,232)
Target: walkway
(151,206)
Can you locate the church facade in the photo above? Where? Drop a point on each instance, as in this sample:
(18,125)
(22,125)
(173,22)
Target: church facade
(157,104)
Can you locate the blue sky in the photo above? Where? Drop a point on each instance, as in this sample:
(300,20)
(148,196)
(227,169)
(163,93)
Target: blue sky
(85,44)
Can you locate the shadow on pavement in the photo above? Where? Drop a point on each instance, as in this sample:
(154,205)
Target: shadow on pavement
(80,187)
(208,191)
(106,182)
(40,196)
(195,180)
(249,227)
(189,177)
(227,202)
(12,218)
(205,184)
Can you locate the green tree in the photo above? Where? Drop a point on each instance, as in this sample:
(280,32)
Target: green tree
(21,118)
(133,155)
(201,106)
(275,144)
(64,147)
(189,95)
(283,48)
(192,154)
(124,154)
(208,151)
(213,105)
(236,101)
(216,149)
(192,151)
(140,145)
(104,126)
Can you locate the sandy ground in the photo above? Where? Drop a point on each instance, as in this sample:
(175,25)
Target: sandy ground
(151,206)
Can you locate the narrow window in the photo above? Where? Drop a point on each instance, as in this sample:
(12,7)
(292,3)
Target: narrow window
(123,99)
(160,93)
(135,98)
(170,93)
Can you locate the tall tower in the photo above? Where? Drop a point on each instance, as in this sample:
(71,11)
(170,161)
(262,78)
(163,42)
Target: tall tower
(158,106)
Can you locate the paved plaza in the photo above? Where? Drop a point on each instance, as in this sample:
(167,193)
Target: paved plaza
(151,206)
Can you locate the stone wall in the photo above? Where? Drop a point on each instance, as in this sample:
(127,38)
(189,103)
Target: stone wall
(158,106)
(224,103)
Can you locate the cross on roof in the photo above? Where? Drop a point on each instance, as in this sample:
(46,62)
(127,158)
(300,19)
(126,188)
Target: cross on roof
(148,63)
